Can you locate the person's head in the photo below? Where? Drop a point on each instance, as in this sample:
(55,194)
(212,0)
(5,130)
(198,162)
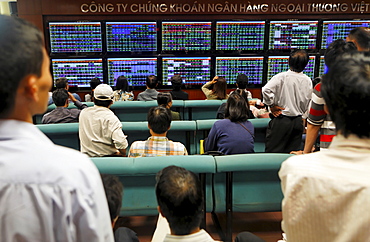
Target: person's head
(25,79)
(122,84)
(164,99)
(159,119)
(113,191)
(336,49)
(94,83)
(151,81)
(219,88)
(236,107)
(176,81)
(346,90)
(242,81)
(61,83)
(180,199)
(360,36)
(298,59)
(103,95)
(60,97)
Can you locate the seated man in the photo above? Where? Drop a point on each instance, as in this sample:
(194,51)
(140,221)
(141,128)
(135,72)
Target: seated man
(100,130)
(62,114)
(177,93)
(159,122)
(63,83)
(327,193)
(150,93)
(164,99)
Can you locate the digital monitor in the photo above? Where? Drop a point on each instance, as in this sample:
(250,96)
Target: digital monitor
(193,70)
(75,37)
(79,72)
(286,35)
(277,64)
(240,35)
(135,70)
(186,36)
(230,67)
(131,36)
(339,29)
(323,68)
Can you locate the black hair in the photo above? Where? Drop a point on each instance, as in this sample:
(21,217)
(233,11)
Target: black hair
(94,83)
(21,48)
(336,49)
(242,81)
(298,59)
(219,88)
(151,81)
(61,82)
(60,97)
(159,119)
(346,90)
(164,98)
(361,35)
(176,81)
(103,103)
(180,198)
(236,108)
(122,84)
(113,191)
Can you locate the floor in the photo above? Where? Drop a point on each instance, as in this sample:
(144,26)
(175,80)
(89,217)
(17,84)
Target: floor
(265,225)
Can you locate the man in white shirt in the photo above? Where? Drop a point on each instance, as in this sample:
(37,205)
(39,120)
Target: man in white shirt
(327,193)
(100,130)
(288,95)
(47,192)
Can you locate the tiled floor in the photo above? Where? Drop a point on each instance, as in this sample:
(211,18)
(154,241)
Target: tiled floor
(264,225)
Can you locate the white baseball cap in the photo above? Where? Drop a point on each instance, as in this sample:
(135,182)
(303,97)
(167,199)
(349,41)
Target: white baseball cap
(103,92)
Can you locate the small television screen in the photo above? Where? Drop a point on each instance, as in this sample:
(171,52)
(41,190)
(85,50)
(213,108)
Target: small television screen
(231,67)
(66,37)
(240,35)
(131,36)
(79,72)
(323,68)
(186,36)
(339,29)
(193,70)
(286,35)
(277,64)
(135,70)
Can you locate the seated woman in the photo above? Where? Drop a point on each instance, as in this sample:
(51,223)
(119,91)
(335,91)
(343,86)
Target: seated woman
(215,89)
(164,99)
(221,110)
(122,92)
(234,134)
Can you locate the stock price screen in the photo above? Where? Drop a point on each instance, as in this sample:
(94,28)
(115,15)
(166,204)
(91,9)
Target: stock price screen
(277,64)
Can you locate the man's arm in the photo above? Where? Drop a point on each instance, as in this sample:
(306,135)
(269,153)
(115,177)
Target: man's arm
(76,102)
(311,136)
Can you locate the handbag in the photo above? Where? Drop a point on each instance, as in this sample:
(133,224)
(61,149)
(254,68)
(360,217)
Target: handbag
(247,130)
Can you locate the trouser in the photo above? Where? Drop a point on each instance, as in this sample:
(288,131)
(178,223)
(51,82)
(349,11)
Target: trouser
(124,234)
(284,134)
(248,237)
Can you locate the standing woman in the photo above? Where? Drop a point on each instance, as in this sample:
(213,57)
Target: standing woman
(215,89)
(122,92)
(234,134)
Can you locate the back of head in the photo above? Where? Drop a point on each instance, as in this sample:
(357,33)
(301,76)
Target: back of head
(159,119)
(219,88)
(180,199)
(61,82)
(176,81)
(113,191)
(346,90)
(242,81)
(122,84)
(151,81)
(237,107)
(336,49)
(94,83)
(298,60)
(60,97)
(164,98)
(21,48)
(103,95)
(361,37)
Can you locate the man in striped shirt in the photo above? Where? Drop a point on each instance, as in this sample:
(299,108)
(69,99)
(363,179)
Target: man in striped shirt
(159,122)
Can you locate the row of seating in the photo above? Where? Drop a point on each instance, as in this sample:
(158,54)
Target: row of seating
(138,110)
(187,132)
(242,183)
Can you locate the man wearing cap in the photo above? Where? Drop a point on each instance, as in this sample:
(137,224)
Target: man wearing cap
(100,130)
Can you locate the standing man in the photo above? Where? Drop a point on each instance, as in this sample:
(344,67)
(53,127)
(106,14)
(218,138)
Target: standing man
(47,192)
(288,95)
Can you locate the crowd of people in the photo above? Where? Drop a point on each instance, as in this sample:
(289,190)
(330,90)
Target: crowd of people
(52,193)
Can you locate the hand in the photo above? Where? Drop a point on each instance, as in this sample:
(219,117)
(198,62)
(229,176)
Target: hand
(276,110)
(214,80)
(73,99)
(299,152)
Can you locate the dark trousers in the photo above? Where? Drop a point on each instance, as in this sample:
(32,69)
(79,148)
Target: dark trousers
(124,234)
(284,134)
(248,237)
